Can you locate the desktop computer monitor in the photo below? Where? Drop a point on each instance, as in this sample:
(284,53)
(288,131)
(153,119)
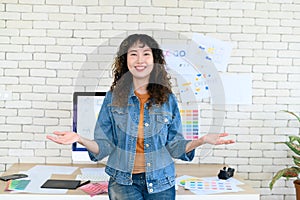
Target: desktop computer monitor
(86,107)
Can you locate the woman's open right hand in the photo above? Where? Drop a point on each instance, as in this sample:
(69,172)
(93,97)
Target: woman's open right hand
(64,137)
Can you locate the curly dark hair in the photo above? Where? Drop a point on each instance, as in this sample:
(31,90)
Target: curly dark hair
(159,86)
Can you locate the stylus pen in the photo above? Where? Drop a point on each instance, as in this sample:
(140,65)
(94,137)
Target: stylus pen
(84,183)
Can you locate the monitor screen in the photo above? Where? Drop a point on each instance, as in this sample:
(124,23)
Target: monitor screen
(86,107)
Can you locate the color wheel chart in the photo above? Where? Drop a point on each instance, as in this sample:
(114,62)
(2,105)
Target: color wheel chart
(190,122)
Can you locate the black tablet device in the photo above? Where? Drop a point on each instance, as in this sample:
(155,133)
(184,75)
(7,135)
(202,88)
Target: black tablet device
(61,184)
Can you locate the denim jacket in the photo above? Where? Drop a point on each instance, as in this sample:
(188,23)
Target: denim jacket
(116,134)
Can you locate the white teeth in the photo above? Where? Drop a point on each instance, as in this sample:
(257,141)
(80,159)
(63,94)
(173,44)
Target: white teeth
(140,67)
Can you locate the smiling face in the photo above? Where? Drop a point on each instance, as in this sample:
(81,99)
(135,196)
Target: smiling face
(140,62)
(141,56)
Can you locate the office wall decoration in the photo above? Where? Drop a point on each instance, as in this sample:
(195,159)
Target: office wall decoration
(190,121)
(217,51)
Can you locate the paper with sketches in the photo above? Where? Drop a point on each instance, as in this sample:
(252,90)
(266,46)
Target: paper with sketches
(195,69)
(226,88)
(217,51)
(176,59)
(196,76)
(195,87)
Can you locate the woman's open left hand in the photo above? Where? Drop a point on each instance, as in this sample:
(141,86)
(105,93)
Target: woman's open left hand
(216,139)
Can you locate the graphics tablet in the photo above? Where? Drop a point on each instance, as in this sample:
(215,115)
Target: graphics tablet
(61,184)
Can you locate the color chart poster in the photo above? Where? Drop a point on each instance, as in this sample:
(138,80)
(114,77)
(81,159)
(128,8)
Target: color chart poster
(190,116)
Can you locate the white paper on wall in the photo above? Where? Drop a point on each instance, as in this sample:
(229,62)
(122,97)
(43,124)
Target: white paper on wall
(237,88)
(196,76)
(194,87)
(217,51)
(176,59)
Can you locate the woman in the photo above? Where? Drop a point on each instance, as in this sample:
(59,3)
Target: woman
(139,126)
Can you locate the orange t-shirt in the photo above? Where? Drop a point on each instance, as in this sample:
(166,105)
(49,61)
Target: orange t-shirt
(139,162)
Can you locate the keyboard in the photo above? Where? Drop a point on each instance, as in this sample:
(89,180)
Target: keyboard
(93,177)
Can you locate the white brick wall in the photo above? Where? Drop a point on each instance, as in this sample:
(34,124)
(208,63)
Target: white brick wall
(48,49)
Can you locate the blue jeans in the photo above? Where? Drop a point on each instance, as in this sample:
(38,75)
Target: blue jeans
(137,191)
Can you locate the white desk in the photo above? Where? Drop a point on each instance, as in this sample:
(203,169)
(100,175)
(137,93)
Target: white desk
(202,170)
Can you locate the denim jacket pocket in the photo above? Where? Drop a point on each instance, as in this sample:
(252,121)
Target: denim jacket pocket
(121,117)
(162,122)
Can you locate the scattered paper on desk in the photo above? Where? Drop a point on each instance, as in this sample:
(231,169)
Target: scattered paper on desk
(48,169)
(40,173)
(213,186)
(37,179)
(93,174)
(208,185)
(182,179)
(91,170)
(95,188)
(231,180)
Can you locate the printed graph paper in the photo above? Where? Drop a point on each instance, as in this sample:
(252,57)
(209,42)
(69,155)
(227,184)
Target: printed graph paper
(190,116)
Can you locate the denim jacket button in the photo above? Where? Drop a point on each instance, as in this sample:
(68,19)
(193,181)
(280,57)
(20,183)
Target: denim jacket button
(148,164)
(151,190)
(166,120)
(150,184)
(146,124)
(147,145)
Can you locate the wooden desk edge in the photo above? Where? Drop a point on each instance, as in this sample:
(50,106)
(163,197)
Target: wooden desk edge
(181,169)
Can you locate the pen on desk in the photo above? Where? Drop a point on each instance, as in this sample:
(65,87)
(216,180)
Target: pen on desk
(84,183)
